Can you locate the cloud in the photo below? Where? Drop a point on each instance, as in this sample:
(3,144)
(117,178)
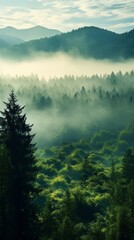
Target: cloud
(67,15)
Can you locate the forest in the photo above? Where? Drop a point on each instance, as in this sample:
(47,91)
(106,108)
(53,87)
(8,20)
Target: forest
(70,175)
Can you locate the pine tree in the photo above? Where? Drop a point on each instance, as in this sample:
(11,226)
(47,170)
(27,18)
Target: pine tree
(120,213)
(128,165)
(15,133)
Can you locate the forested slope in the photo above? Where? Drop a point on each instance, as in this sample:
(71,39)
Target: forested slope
(87,42)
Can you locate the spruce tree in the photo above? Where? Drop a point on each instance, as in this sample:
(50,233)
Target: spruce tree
(16,135)
(128,165)
(5,193)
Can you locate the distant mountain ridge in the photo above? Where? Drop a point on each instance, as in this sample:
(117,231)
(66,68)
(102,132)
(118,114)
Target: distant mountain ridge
(28,34)
(86,42)
(7,41)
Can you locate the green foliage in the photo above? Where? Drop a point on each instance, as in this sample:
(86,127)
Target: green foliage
(90,196)
(128,165)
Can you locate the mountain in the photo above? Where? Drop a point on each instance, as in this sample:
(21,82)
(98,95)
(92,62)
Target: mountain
(86,42)
(28,34)
(7,41)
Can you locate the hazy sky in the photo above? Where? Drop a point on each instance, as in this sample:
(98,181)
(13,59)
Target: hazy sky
(66,15)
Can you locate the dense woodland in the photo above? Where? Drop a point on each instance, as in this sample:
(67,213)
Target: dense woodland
(78,181)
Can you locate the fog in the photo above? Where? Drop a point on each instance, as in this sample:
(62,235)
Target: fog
(70,108)
(57,128)
(58,65)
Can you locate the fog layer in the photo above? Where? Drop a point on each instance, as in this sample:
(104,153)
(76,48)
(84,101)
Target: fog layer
(58,65)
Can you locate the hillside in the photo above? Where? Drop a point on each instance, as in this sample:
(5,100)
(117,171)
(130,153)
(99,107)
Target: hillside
(8,41)
(28,34)
(86,42)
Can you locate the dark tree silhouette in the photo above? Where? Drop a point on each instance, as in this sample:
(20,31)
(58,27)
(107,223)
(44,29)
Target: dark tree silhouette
(5,193)
(128,165)
(16,135)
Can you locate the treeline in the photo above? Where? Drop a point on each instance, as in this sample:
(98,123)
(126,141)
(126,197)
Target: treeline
(71,108)
(42,94)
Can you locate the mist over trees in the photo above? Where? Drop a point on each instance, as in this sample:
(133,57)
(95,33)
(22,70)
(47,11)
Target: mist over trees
(69,108)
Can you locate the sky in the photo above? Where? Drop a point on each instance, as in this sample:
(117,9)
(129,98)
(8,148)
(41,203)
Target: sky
(66,15)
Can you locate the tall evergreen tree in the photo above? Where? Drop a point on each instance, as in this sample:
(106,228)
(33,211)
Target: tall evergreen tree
(128,165)
(5,193)
(16,135)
